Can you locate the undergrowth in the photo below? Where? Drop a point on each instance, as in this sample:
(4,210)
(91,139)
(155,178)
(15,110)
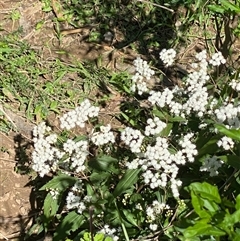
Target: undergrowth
(169,169)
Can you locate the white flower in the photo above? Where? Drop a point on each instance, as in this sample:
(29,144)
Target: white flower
(109,232)
(104,136)
(202,56)
(211,164)
(143,68)
(161,98)
(217,59)
(142,76)
(153,227)
(132,138)
(168,56)
(226,142)
(155,126)
(79,116)
(235,84)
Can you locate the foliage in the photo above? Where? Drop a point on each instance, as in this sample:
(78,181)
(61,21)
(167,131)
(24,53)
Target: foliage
(146,179)
(125,183)
(217,217)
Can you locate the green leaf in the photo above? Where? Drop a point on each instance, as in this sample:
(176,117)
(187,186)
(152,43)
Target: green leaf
(128,180)
(103,163)
(99,177)
(206,190)
(231,160)
(210,147)
(198,204)
(130,217)
(216,8)
(237,206)
(50,208)
(162,115)
(108,239)
(70,223)
(230,6)
(231,219)
(61,183)
(167,129)
(236,237)
(232,133)
(176,119)
(99,237)
(202,227)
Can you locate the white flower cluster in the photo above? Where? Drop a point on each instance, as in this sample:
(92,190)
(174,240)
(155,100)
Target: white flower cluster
(74,202)
(143,74)
(79,115)
(103,137)
(111,232)
(155,126)
(132,138)
(194,94)
(228,114)
(77,152)
(226,142)
(161,99)
(143,68)
(211,165)
(54,193)
(217,59)
(168,56)
(160,166)
(189,149)
(45,155)
(153,211)
(235,84)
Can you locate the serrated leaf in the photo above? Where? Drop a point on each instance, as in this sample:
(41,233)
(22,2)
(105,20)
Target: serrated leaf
(61,183)
(202,227)
(231,219)
(198,203)
(206,190)
(70,223)
(128,180)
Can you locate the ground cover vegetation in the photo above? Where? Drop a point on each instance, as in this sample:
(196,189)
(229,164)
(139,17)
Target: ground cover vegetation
(165,165)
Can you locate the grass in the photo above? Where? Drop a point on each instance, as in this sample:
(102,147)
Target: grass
(36,87)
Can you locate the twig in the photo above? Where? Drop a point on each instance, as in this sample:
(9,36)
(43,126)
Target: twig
(157,5)
(4,236)
(3,159)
